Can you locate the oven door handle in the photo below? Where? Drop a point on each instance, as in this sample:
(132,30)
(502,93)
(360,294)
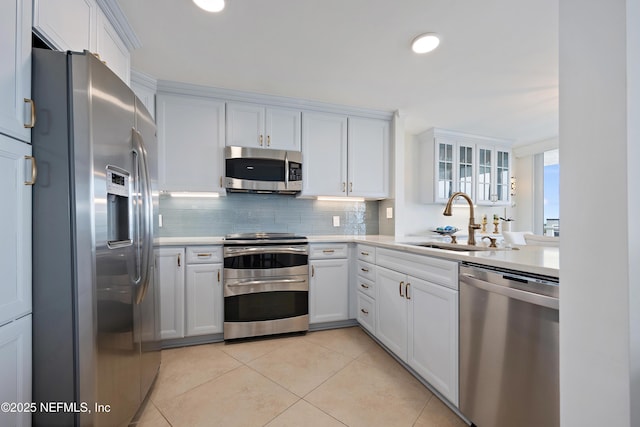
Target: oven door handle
(264,250)
(269,281)
(253,286)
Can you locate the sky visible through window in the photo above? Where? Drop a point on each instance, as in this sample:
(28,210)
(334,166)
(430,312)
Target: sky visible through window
(551,190)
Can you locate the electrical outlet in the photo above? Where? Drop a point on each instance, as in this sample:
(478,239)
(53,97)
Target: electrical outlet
(336,221)
(389,213)
(160,221)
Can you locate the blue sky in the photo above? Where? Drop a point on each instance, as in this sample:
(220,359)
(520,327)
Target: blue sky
(551,191)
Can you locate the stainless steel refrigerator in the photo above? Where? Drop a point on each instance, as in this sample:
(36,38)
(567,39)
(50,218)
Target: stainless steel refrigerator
(96,337)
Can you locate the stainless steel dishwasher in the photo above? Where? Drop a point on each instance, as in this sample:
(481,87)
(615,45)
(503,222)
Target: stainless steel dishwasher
(509,360)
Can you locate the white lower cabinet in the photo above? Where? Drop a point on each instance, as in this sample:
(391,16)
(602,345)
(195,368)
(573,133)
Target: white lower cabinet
(391,309)
(328,282)
(417,317)
(190,283)
(204,299)
(329,290)
(170,282)
(433,335)
(15,371)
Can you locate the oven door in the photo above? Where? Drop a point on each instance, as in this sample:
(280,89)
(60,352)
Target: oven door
(264,299)
(242,262)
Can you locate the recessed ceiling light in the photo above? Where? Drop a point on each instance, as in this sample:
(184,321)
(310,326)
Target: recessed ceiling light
(425,43)
(210,5)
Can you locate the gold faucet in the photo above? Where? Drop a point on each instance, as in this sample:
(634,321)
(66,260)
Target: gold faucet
(472,221)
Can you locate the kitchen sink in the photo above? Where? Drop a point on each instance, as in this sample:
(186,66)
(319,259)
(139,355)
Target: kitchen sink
(455,247)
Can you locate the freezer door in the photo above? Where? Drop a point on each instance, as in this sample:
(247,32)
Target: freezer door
(117,344)
(149,320)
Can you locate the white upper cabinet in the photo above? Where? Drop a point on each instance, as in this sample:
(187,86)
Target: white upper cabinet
(111,49)
(145,88)
(324,154)
(65,24)
(368,158)
(345,157)
(79,25)
(191,143)
(453,161)
(15,69)
(259,126)
(494,175)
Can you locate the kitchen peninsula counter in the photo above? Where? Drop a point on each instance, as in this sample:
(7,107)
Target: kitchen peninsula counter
(540,260)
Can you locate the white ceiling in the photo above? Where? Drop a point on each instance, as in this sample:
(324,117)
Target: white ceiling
(495,72)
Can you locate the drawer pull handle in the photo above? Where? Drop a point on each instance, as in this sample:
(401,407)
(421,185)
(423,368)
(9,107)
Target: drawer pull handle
(328,251)
(364,286)
(407,291)
(364,311)
(218,276)
(178,260)
(204,255)
(32,121)
(366,270)
(400,289)
(313,271)
(34,170)
(364,253)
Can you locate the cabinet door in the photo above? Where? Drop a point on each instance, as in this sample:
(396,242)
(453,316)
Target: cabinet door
(465,170)
(485,175)
(190,143)
(15,370)
(111,49)
(368,158)
(329,290)
(324,154)
(433,335)
(246,125)
(445,170)
(391,311)
(15,68)
(15,229)
(503,176)
(144,87)
(65,24)
(283,129)
(204,299)
(170,284)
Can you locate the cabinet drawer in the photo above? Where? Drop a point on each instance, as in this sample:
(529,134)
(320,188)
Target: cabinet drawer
(328,250)
(366,312)
(367,253)
(366,286)
(366,270)
(204,254)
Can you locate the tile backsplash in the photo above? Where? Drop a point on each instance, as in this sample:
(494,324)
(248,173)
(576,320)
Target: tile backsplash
(241,213)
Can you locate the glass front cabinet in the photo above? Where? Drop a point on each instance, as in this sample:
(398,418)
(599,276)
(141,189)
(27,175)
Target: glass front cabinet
(452,161)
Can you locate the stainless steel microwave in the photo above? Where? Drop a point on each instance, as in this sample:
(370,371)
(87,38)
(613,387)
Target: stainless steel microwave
(260,170)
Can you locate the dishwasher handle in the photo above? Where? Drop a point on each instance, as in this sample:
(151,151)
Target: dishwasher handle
(530,297)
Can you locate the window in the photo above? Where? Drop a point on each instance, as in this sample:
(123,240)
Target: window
(551,185)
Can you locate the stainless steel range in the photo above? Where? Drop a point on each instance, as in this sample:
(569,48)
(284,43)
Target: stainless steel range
(266,284)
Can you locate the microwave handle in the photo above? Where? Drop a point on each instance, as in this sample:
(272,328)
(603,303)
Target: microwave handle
(286,170)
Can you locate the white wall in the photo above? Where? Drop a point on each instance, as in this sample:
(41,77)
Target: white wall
(599,301)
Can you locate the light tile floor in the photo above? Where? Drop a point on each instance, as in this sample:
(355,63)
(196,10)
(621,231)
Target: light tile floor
(339,377)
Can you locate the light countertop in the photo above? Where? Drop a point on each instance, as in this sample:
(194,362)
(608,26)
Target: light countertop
(530,259)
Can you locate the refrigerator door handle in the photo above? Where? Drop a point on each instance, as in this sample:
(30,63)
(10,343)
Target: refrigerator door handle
(145,213)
